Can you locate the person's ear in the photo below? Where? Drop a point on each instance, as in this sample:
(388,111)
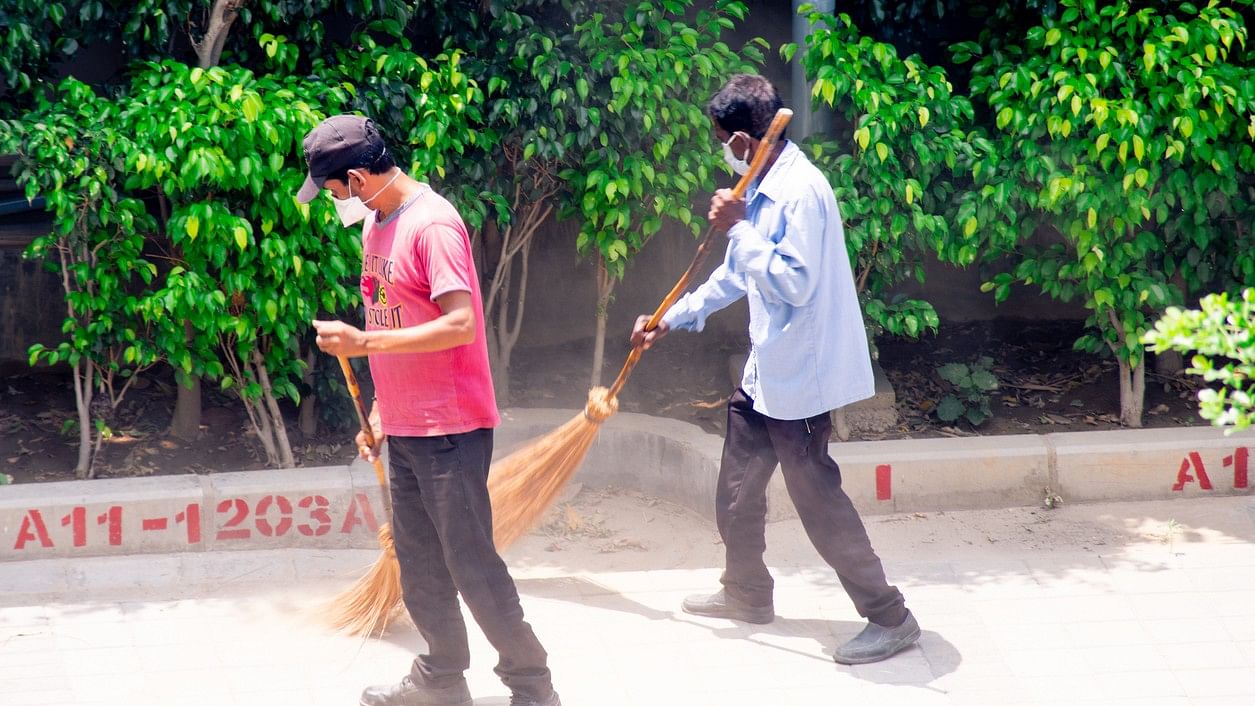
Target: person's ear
(750,145)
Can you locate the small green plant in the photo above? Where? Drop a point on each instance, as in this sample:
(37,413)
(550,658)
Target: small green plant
(1220,334)
(1051,500)
(972,385)
(1171,534)
(5,479)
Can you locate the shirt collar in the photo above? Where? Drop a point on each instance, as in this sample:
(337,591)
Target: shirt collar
(774,181)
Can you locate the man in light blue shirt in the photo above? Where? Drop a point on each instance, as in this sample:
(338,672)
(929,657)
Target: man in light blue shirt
(786,254)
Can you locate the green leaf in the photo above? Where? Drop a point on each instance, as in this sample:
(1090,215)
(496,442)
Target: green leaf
(193,227)
(975,416)
(863,137)
(954,373)
(984,380)
(950,409)
(1053,36)
(241,237)
(272,310)
(969,227)
(252,107)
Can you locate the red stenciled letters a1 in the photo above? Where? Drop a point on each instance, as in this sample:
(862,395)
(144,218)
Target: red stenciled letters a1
(1238,461)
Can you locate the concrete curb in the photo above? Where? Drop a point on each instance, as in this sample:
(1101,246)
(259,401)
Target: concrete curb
(339,507)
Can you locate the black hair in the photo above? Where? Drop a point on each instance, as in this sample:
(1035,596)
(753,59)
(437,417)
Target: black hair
(746,103)
(381,164)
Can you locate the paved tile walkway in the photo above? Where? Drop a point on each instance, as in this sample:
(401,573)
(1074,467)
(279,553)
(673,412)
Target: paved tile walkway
(1150,604)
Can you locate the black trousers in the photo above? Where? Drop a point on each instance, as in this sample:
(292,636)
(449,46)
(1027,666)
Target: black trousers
(442,527)
(753,446)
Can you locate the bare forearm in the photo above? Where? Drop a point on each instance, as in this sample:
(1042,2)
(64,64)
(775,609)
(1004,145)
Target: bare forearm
(448,331)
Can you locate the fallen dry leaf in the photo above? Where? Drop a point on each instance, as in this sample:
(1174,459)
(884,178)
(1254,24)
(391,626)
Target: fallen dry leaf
(573,520)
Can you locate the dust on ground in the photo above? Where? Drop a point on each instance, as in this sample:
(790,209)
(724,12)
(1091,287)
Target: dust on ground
(613,529)
(623,531)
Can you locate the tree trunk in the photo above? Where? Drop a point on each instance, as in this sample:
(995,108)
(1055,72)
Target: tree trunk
(500,369)
(309,403)
(209,48)
(1132,393)
(187,406)
(1169,363)
(83,401)
(504,333)
(1132,379)
(503,250)
(265,434)
(186,422)
(278,428)
(605,285)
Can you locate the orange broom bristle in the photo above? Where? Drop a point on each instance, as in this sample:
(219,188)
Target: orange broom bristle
(524,484)
(368,607)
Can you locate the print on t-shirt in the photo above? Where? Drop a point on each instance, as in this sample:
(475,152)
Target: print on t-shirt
(376,278)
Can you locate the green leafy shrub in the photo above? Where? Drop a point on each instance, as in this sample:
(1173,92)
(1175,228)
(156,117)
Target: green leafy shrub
(894,174)
(1221,333)
(1124,143)
(972,384)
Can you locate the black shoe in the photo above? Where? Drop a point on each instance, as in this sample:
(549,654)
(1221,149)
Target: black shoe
(517,699)
(878,642)
(407,693)
(721,605)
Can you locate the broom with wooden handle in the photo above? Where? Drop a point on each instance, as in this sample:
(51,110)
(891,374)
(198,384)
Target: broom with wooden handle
(366,608)
(525,483)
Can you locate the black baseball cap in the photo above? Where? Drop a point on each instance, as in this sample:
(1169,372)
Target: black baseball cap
(338,143)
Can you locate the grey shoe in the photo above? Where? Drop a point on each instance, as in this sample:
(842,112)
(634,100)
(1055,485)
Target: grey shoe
(721,605)
(878,642)
(517,699)
(407,693)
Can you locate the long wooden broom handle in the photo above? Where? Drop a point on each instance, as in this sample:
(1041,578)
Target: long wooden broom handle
(363,418)
(765,147)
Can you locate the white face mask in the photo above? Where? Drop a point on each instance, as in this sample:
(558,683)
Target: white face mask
(354,210)
(738,164)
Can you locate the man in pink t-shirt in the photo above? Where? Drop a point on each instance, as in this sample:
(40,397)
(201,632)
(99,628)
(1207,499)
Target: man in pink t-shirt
(434,401)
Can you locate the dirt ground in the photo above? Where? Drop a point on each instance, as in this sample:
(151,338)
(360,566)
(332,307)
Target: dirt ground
(616,529)
(1045,387)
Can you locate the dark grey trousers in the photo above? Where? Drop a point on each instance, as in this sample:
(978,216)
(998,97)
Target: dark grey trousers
(442,526)
(753,446)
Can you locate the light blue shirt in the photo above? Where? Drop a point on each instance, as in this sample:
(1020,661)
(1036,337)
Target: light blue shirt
(808,347)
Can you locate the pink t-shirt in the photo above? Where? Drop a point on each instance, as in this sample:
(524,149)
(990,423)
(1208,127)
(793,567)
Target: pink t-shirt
(419,254)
